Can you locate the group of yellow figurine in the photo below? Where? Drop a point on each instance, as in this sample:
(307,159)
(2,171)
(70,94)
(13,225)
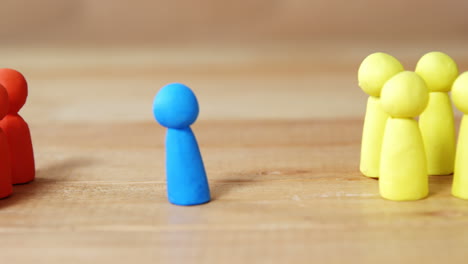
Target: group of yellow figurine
(399,149)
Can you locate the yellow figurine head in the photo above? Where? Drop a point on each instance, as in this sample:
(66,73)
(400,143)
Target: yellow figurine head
(460,92)
(375,70)
(405,95)
(438,70)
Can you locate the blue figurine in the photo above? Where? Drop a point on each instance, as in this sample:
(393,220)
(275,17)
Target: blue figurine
(176,107)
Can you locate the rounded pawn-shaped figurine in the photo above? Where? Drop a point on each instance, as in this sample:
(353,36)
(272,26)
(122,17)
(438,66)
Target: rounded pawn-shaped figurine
(6,187)
(460,174)
(437,124)
(403,166)
(16,129)
(176,107)
(374,71)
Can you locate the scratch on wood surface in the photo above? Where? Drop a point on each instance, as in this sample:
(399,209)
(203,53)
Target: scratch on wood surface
(296,197)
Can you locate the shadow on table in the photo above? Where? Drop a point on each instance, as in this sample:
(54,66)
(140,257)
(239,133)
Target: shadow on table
(440,185)
(45,178)
(221,189)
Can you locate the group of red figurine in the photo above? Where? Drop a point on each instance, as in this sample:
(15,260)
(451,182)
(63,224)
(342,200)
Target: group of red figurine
(16,151)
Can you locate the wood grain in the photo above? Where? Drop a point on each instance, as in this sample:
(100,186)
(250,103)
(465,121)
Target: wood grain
(283,191)
(280,137)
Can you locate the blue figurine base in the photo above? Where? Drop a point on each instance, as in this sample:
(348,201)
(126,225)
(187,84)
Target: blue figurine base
(187,183)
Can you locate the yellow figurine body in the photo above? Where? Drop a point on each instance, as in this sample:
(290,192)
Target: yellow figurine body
(437,124)
(374,71)
(403,166)
(460,175)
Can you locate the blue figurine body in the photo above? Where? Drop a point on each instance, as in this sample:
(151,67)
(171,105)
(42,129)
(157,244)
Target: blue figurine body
(176,107)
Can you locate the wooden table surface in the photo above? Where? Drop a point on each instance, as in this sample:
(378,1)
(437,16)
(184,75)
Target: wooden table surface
(280,136)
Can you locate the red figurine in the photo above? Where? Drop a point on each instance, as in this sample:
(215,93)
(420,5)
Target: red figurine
(6,187)
(16,129)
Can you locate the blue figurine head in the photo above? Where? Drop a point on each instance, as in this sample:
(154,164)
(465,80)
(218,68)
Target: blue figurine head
(175,106)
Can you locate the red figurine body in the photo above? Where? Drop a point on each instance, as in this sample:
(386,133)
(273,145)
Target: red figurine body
(16,129)
(6,187)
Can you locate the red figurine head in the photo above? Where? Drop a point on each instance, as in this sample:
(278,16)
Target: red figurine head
(4,102)
(16,87)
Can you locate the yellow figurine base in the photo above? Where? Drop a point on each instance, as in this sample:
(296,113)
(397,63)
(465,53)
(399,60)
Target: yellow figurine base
(403,169)
(438,131)
(372,136)
(460,176)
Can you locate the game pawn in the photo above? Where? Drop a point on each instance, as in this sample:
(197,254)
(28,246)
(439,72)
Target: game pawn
(176,107)
(16,129)
(437,124)
(460,174)
(6,187)
(403,166)
(374,71)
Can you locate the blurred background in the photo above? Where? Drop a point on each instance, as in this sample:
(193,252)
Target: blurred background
(89,60)
(145,22)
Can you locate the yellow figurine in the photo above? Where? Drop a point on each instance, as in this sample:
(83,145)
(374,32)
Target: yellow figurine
(374,71)
(460,175)
(437,124)
(403,167)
